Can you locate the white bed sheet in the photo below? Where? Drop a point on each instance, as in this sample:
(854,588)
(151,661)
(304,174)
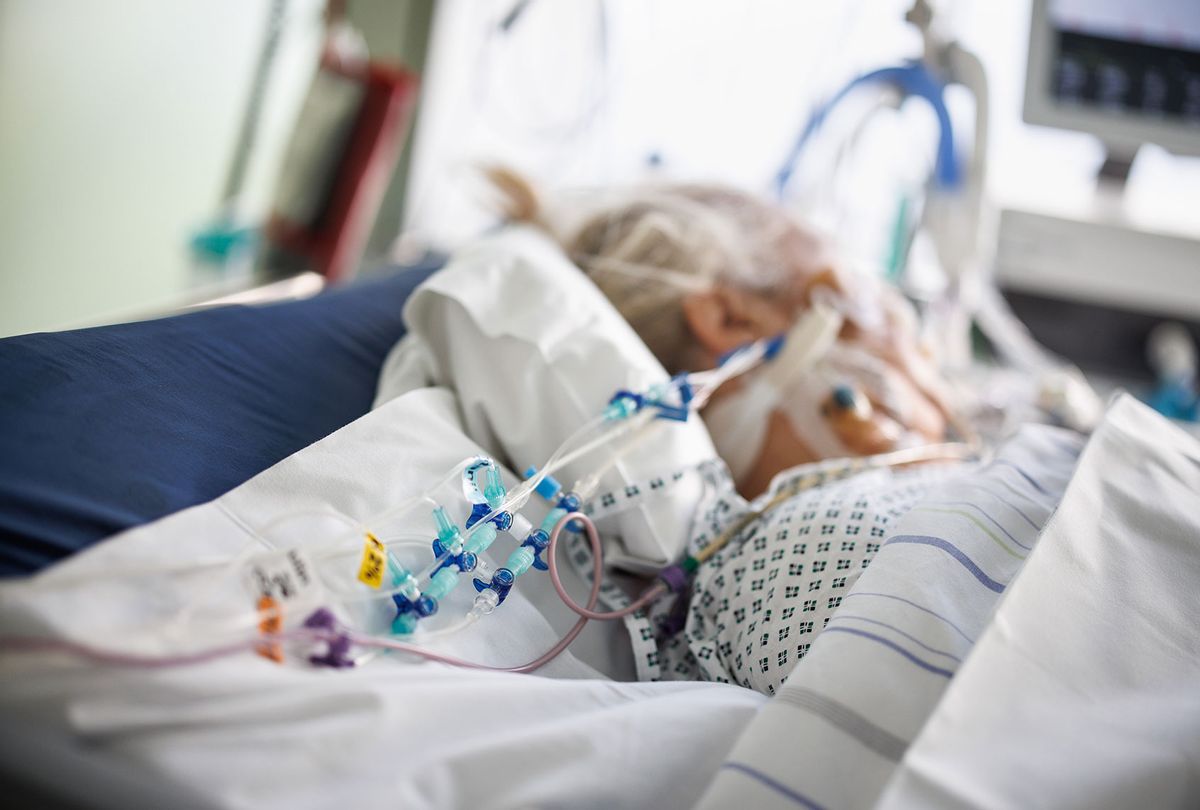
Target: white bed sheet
(243,732)
(837,729)
(1085,690)
(1079,687)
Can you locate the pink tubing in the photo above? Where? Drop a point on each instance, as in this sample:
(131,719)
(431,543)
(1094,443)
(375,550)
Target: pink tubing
(586,613)
(102,656)
(650,595)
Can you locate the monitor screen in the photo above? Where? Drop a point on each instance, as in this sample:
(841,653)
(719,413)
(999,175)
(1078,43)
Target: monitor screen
(1141,57)
(1112,66)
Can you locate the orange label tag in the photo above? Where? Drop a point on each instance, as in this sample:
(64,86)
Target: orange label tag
(374,561)
(270,625)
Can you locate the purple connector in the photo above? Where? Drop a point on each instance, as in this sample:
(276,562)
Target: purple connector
(674,577)
(337,652)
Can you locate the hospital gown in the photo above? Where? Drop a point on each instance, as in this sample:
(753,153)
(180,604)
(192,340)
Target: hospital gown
(757,605)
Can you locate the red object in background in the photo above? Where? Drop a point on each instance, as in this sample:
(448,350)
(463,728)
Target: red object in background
(333,243)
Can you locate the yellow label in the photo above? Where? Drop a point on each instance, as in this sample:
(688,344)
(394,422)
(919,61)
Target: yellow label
(374,561)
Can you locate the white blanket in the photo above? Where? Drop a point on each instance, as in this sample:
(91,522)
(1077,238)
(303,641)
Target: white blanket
(245,732)
(1079,688)
(1080,691)
(1084,692)
(834,733)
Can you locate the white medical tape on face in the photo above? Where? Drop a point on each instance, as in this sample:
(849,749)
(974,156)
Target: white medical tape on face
(738,421)
(802,404)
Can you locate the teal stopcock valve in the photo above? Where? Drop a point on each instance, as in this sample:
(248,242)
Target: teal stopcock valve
(571,502)
(447,532)
(449,547)
(484,488)
(623,405)
(495,592)
(537,541)
(502,520)
(493,498)
(408,611)
(406,600)
(493,487)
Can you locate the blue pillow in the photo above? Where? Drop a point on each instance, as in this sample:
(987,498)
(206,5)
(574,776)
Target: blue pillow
(107,428)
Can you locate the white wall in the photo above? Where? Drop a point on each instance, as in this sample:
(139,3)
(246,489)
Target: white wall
(720,89)
(117,125)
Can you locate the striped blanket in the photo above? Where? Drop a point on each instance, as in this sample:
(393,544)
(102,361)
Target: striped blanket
(836,730)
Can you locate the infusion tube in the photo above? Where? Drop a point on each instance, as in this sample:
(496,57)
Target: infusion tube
(633,425)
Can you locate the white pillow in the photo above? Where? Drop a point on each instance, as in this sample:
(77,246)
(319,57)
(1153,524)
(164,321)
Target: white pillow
(534,350)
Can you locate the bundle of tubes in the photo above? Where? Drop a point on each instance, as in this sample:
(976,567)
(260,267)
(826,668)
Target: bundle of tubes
(458,550)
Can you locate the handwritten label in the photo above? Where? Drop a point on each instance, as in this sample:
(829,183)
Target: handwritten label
(285,577)
(374,562)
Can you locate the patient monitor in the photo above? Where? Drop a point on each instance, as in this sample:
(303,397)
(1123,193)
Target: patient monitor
(1127,71)
(1089,278)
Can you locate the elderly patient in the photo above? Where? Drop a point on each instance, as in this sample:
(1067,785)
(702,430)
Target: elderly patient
(698,271)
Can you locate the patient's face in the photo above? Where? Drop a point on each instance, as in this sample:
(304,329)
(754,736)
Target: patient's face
(874,391)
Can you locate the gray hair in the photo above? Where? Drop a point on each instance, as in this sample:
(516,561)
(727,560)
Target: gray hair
(647,249)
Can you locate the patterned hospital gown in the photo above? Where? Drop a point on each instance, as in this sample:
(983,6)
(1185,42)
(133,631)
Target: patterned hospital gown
(757,605)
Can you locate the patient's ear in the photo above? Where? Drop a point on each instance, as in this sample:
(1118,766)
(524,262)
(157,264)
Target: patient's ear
(723,318)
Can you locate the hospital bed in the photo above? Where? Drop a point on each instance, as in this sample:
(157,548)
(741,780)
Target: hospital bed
(1077,689)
